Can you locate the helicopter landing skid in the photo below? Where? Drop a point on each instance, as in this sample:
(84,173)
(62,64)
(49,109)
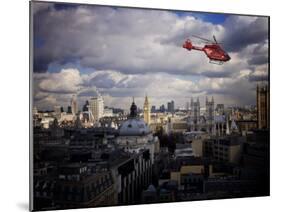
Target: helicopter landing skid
(216,62)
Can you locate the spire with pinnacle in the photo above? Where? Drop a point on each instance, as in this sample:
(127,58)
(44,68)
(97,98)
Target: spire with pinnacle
(133,109)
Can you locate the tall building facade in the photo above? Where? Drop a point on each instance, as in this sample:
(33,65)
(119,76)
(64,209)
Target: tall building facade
(146,111)
(263,106)
(171,106)
(162,108)
(210,115)
(187,106)
(153,109)
(74,105)
(57,111)
(195,114)
(96,106)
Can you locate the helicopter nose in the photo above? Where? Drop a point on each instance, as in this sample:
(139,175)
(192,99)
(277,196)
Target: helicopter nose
(228,57)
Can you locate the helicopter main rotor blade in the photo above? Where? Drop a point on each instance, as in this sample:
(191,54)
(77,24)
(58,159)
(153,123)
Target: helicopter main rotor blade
(202,38)
(215,39)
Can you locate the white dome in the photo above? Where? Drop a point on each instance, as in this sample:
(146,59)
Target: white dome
(134,127)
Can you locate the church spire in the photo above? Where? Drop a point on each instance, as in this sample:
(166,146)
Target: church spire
(133,109)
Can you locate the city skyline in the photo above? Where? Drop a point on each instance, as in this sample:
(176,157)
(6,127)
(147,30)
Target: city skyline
(125,55)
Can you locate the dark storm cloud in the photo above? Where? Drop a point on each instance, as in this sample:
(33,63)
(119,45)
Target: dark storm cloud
(40,63)
(133,41)
(40,96)
(102,81)
(243,31)
(58,91)
(259,54)
(258,78)
(217,74)
(258,60)
(240,91)
(123,39)
(129,52)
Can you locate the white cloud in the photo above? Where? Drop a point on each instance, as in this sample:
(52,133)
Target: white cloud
(66,81)
(119,88)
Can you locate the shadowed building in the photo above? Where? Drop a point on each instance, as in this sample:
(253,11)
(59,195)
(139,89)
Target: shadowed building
(210,115)
(263,106)
(224,149)
(78,186)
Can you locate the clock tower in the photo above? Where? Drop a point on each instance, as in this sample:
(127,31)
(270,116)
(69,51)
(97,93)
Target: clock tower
(146,111)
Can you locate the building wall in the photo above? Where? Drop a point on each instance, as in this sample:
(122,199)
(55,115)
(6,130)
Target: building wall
(234,154)
(132,177)
(227,153)
(195,114)
(196,169)
(263,106)
(197,147)
(74,105)
(213,148)
(210,116)
(97,107)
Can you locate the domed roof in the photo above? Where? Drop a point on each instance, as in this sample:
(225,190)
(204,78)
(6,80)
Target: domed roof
(134,127)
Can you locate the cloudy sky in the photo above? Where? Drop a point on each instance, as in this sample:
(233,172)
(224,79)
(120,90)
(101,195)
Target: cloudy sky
(125,53)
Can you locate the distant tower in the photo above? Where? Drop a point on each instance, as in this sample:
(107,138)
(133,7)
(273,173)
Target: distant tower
(187,106)
(146,111)
(263,106)
(171,106)
(195,114)
(227,125)
(57,111)
(69,109)
(210,115)
(96,106)
(133,110)
(74,105)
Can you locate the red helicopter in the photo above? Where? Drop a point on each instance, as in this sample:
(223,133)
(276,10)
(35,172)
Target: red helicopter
(212,49)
